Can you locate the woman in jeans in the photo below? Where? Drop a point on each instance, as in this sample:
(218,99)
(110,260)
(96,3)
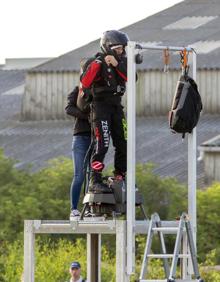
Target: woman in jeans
(80,145)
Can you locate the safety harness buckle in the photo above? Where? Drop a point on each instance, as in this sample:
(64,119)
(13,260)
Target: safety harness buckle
(120,90)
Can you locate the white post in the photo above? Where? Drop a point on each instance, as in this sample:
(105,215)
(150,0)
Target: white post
(192,169)
(29,238)
(99,257)
(192,173)
(131,160)
(121,275)
(192,166)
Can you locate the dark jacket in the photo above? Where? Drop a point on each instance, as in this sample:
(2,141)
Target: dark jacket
(106,81)
(82,125)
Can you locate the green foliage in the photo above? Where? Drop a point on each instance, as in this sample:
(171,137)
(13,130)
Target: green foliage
(23,195)
(208,203)
(45,195)
(155,269)
(12,259)
(53,189)
(53,261)
(165,196)
(207,269)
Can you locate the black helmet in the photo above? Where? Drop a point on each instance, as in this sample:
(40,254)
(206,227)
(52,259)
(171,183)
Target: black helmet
(112,38)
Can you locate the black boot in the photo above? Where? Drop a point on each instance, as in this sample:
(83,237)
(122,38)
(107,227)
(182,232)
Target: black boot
(96,184)
(119,176)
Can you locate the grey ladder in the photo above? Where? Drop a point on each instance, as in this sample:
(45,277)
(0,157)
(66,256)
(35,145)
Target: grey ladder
(155,226)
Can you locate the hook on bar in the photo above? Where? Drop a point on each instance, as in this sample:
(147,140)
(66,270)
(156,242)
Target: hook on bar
(166,59)
(184,61)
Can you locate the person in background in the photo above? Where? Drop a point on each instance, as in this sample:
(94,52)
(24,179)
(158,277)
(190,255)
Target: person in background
(80,144)
(75,272)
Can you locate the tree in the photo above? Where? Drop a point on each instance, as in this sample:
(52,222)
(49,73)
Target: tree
(45,195)
(208,203)
(24,195)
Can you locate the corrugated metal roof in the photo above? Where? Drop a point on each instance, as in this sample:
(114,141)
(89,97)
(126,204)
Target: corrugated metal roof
(19,90)
(10,79)
(190,22)
(11,84)
(151,29)
(214,142)
(10,107)
(204,47)
(155,143)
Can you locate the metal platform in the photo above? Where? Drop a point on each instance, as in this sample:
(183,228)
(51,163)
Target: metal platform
(93,228)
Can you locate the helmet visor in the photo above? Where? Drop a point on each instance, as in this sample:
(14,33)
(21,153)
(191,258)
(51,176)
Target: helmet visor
(116,46)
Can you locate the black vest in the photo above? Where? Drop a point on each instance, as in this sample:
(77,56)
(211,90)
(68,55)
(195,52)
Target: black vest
(110,82)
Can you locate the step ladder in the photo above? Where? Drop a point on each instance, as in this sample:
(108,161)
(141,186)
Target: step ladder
(184,227)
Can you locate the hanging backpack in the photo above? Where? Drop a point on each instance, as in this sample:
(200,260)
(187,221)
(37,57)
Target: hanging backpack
(186,106)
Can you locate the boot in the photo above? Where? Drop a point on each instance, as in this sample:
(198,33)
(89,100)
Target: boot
(96,184)
(119,176)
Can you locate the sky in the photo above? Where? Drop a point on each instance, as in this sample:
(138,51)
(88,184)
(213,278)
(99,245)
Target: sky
(49,28)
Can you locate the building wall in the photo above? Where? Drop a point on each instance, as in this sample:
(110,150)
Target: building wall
(155,91)
(212,166)
(209,86)
(45,95)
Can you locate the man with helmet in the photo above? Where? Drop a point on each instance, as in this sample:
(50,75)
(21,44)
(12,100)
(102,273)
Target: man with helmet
(106,76)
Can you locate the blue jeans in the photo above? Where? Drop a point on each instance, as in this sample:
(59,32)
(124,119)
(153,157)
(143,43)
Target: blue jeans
(80,146)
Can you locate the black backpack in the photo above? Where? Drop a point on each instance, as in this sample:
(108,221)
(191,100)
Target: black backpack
(186,106)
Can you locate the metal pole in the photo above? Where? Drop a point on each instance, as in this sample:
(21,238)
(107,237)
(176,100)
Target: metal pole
(187,269)
(93,257)
(121,275)
(99,256)
(131,161)
(157,47)
(29,238)
(194,208)
(131,109)
(192,173)
(192,167)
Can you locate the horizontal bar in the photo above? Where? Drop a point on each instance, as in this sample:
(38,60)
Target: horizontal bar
(167,256)
(91,226)
(165,280)
(144,280)
(166,229)
(79,227)
(141,226)
(157,47)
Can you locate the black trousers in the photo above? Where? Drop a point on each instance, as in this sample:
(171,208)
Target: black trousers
(108,120)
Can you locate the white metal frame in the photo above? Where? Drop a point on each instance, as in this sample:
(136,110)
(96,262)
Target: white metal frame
(33,227)
(117,227)
(125,230)
(132,50)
